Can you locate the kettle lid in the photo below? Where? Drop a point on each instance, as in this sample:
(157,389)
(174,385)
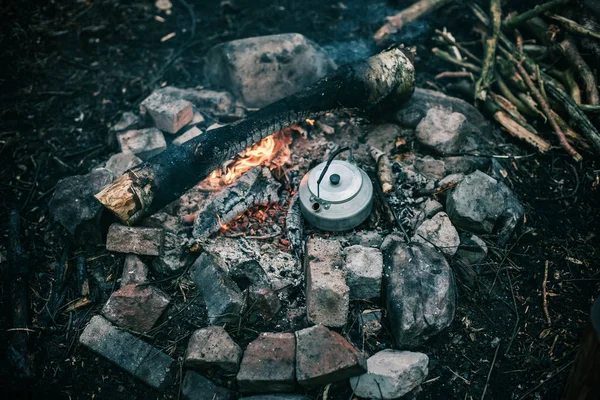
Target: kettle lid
(342,181)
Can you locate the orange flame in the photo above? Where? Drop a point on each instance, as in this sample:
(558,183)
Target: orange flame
(272,151)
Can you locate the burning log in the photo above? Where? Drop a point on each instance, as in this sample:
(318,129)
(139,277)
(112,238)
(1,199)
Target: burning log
(384,169)
(387,76)
(256,186)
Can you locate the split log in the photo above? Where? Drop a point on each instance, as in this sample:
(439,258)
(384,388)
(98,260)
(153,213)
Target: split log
(18,265)
(255,187)
(145,189)
(294,224)
(384,169)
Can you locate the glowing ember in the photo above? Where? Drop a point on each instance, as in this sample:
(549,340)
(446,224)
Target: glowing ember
(272,151)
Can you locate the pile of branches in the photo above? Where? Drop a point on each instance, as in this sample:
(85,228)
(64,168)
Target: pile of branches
(529,69)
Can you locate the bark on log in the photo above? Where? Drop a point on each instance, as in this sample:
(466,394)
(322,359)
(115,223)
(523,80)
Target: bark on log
(256,186)
(387,76)
(294,224)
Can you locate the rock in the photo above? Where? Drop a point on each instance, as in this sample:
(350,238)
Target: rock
(465,164)
(364,270)
(450,181)
(128,352)
(249,273)
(269,364)
(121,162)
(134,271)
(472,250)
(420,291)
(187,135)
(391,374)
(442,131)
(169,114)
(363,238)
(213,347)
(216,104)
(223,298)
(432,207)
(175,257)
(324,356)
(277,397)
(264,69)
(481,204)
(128,120)
(144,143)
(383,137)
(430,167)
(263,302)
(370,322)
(439,232)
(73,204)
(136,307)
(197,387)
(136,240)
(327,296)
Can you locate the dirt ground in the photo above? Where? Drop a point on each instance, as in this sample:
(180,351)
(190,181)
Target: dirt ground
(70,68)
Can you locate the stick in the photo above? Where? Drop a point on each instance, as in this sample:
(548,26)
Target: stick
(569,50)
(448,57)
(574,27)
(489,55)
(546,109)
(520,132)
(519,19)
(453,74)
(545,295)
(145,189)
(406,16)
(384,169)
(591,108)
(490,372)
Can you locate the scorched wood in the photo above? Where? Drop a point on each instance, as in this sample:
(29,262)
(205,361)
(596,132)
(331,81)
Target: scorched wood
(385,77)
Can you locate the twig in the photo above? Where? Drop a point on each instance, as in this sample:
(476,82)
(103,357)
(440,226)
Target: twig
(487,382)
(406,16)
(545,294)
(451,41)
(489,57)
(574,27)
(591,108)
(454,74)
(448,57)
(536,387)
(569,50)
(518,131)
(520,18)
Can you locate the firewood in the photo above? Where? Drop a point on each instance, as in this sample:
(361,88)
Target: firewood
(294,225)
(384,169)
(406,16)
(387,76)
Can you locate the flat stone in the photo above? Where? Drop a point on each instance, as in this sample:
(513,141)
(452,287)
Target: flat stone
(134,271)
(370,322)
(128,352)
(391,374)
(430,167)
(175,256)
(268,364)
(327,295)
(481,204)
(364,270)
(442,131)
(121,162)
(73,204)
(214,103)
(420,291)
(197,387)
(136,307)
(439,232)
(472,249)
(187,135)
(324,356)
(144,143)
(213,347)
(136,240)
(128,120)
(223,298)
(261,70)
(169,114)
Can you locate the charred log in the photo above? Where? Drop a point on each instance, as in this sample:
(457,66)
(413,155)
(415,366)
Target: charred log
(294,224)
(385,77)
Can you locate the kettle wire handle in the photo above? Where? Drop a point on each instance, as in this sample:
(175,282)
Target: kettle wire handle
(329,161)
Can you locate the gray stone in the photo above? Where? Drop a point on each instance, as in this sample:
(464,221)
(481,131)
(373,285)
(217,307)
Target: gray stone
(391,374)
(263,302)
(73,204)
(121,162)
(213,347)
(130,353)
(363,238)
(383,137)
(420,291)
(432,207)
(169,114)
(364,270)
(439,232)
(187,135)
(197,387)
(144,143)
(134,271)
(327,296)
(216,104)
(481,204)
(175,257)
(223,298)
(442,131)
(264,69)
(128,120)
(324,356)
(430,167)
(370,322)
(465,164)
(249,273)
(472,249)
(136,240)
(269,364)
(136,307)
(450,181)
